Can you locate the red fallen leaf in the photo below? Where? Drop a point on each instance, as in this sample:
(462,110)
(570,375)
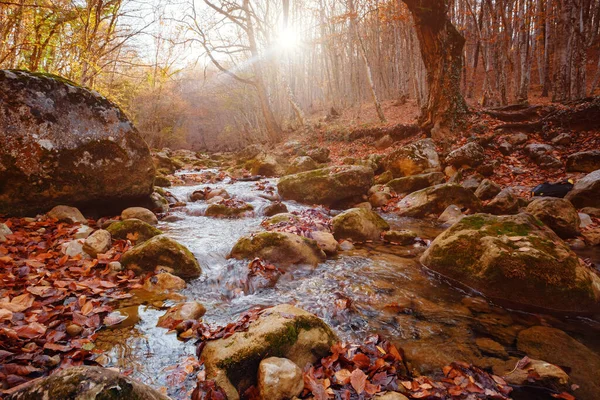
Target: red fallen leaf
(394,352)
(456,391)
(58,347)
(18,303)
(563,395)
(5,315)
(114,318)
(343,376)
(30,331)
(87,308)
(420,395)
(361,360)
(371,389)
(17,369)
(473,388)
(523,362)
(358,380)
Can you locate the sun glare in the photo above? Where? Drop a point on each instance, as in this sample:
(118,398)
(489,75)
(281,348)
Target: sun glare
(288,39)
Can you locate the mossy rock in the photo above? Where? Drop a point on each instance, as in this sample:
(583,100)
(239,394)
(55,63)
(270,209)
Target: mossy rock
(558,214)
(133,227)
(358,224)
(162,251)
(435,199)
(280,218)
(282,331)
(162,181)
(416,158)
(328,186)
(516,260)
(226,211)
(279,248)
(84,383)
(409,184)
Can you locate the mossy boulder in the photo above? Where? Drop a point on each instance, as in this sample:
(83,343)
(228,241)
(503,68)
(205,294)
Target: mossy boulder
(328,186)
(505,202)
(409,184)
(435,199)
(278,247)
(282,331)
(416,158)
(283,218)
(84,383)
(515,259)
(133,229)
(161,180)
(64,144)
(225,209)
(302,164)
(558,214)
(165,252)
(359,225)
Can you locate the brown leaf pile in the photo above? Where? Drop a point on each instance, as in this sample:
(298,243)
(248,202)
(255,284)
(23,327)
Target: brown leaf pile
(307,221)
(43,291)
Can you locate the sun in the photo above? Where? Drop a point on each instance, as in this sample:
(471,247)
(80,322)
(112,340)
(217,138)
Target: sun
(288,39)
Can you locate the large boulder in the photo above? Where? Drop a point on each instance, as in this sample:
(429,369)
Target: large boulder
(415,158)
(282,331)
(558,214)
(86,383)
(64,144)
(584,161)
(409,184)
(586,192)
(278,247)
(555,346)
(505,202)
(516,259)
(470,154)
(435,199)
(328,186)
(302,164)
(162,251)
(358,224)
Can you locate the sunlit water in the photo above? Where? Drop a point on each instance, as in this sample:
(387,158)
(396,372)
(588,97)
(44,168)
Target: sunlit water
(379,289)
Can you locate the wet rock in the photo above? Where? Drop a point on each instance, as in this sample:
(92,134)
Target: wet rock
(515,259)
(97,243)
(584,161)
(558,214)
(359,225)
(487,190)
(220,192)
(491,347)
(67,214)
(384,178)
(586,192)
(470,154)
(416,158)
(563,139)
(328,186)
(226,209)
(505,202)
(86,383)
(402,237)
(302,164)
(198,195)
(278,248)
(346,245)
(279,379)
(541,374)
(192,310)
(319,154)
(282,331)
(162,181)
(275,208)
(409,184)
(133,229)
(164,282)
(164,252)
(158,203)
(451,215)
(74,330)
(326,241)
(140,213)
(51,158)
(435,199)
(541,154)
(555,346)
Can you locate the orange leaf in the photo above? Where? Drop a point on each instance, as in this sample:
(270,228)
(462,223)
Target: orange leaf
(358,379)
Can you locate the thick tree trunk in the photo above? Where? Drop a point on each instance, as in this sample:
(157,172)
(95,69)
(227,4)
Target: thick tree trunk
(441,49)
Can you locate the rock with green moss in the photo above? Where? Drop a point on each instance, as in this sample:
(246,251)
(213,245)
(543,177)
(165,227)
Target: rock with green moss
(505,202)
(328,186)
(409,184)
(282,331)
(515,259)
(280,219)
(83,383)
(49,157)
(359,225)
(416,158)
(281,248)
(264,165)
(162,181)
(402,237)
(133,229)
(164,252)
(302,164)
(435,199)
(229,209)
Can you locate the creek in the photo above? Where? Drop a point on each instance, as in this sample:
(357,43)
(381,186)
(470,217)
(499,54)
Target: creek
(371,289)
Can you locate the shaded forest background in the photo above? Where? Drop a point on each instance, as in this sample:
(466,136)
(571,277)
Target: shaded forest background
(218,75)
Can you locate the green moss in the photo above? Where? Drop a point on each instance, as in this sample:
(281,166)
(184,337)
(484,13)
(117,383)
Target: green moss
(476,221)
(143,230)
(223,211)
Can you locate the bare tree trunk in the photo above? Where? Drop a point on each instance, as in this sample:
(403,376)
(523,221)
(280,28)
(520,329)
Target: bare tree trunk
(441,49)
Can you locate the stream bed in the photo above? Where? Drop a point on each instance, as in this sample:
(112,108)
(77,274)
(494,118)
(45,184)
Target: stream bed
(372,289)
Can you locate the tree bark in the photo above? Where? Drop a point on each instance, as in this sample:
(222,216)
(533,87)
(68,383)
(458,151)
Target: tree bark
(441,49)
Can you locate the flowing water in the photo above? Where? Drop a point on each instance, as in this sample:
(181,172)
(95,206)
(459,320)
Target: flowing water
(372,289)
